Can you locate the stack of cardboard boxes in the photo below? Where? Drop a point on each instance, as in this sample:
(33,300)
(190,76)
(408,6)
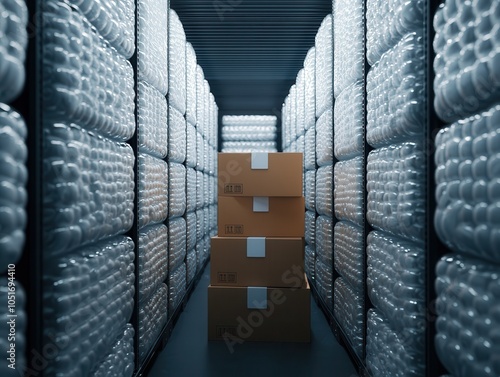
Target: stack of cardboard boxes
(258,290)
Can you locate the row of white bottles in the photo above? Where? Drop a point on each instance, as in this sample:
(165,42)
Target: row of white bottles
(153,315)
(247,133)
(396,87)
(120,361)
(88,184)
(153,259)
(85,80)
(396,190)
(348,122)
(88,299)
(347,147)
(467,88)
(154,134)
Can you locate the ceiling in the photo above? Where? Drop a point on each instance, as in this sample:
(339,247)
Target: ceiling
(251,50)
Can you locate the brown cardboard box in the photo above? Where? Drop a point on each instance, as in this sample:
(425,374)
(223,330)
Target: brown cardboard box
(237,217)
(245,174)
(283,315)
(257,261)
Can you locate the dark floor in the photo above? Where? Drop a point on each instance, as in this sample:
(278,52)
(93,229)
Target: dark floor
(189,354)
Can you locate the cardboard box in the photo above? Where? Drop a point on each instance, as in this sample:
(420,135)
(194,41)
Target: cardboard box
(261,217)
(260,174)
(257,261)
(239,314)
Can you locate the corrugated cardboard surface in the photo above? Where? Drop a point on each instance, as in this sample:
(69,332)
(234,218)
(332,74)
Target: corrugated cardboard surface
(285,218)
(286,319)
(282,266)
(282,178)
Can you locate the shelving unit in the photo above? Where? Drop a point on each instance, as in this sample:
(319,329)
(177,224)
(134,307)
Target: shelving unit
(33,266)
(433,249)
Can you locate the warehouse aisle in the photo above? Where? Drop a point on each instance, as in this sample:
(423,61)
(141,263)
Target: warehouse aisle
(189,354)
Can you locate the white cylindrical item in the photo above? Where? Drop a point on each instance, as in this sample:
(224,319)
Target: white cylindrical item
(324,239)
(13,179)
(206,190)
(324,282)
(153,190)
(177,93)
(349,253)
(324,190)
(152,259)
(285,126)
(213,209)
(191,84)
(310,149)
(206,113)
(191,152)
(152,114)
(153,316)
(88,187)
(387,21)
(396,190)
(200,221)
(310,189)
(309,262)
(386,354)
(177,142)
(301,102)
(88,298)
(396,286)
(177,242)
(467,63)
(310,88)
(13,47)
(191,194)
(200,87)
(349,311)
(324,139)
(310,228)
(191,266)
(200,151)
(203,251)
(152,48)
(119,362)
(206,218)
(199,189)
(396,91)
(468,304)
(467,157)
(349,119)
(191,230)
(349,47)
(293,112)
(177,189)
(87,81)
(176,288)
(324,66)
(348,190)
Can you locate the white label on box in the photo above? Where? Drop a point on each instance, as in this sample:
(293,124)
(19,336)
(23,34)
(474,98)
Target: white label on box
(256,247)
(256,297)
(261,204)
(260,161)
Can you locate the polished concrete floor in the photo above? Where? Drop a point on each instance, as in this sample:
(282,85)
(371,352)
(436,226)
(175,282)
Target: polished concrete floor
(189,354)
